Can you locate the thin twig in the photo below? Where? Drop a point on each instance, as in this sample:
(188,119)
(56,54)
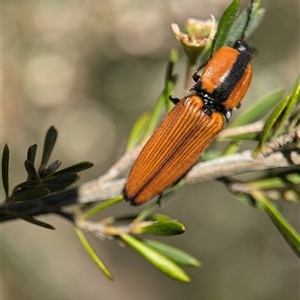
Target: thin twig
(281,141)
(238,164)
(96,229)
(250,128)
(121,165)
(100,230)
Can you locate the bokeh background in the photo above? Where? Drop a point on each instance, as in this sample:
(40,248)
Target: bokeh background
(90,68)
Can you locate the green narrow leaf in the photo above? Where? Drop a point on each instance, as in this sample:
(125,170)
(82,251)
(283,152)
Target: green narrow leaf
(61,178)
(74,169)
(290,105)
(138,131)
(206,53)
(155,116)
(231,148)
(270,123)
(294,178)
(177,255)
(236,31)
(266,183)
(29,219)
(160,217)
(30,194)
(49,143)
(225,24)
(258,110)
(146,212)
(287,231)
(296,90)
(60,182)
(31,171)
(169,90)
(101,206)
(173,58)
(171,190)
(93,254)
(210,155)
(164,228)
(295,119)
(163,99)
(157,259)
(5,170)
(170,79)
(243,137)
(31,153)
(244,198)
(27,185)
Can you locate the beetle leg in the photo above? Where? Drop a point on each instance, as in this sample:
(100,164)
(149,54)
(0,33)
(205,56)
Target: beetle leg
(195,75)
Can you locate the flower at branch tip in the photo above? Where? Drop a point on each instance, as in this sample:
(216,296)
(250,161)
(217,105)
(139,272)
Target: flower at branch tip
(197,34)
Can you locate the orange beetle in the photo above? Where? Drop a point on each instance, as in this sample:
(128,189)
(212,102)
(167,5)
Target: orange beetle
(193,123)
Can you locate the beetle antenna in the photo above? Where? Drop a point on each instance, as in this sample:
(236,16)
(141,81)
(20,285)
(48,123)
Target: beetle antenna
(248,19)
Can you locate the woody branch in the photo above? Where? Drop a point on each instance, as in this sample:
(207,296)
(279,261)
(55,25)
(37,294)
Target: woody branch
(106,186)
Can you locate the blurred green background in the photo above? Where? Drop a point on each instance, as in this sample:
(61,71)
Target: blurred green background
(90,68)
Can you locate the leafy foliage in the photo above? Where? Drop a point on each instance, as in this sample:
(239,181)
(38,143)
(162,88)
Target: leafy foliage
(40,181)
